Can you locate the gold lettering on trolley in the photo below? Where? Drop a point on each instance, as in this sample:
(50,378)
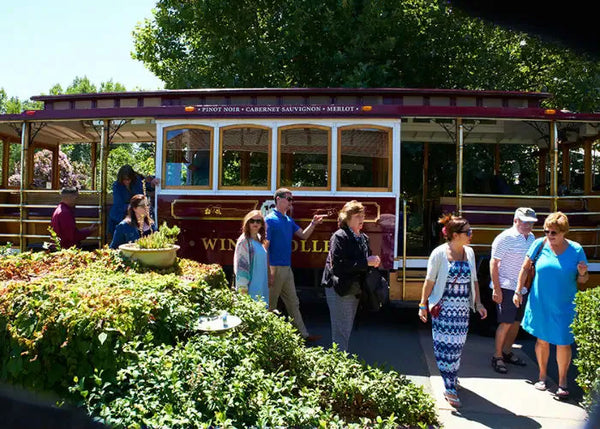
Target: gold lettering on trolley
(303,246)
(209,243)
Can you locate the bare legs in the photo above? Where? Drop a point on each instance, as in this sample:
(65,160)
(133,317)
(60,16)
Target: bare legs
(506,334)
(563,359)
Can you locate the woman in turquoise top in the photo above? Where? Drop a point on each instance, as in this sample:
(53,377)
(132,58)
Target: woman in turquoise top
(550,309)
(250,263)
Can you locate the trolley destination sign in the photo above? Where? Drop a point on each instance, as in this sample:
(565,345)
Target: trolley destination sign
(299,109)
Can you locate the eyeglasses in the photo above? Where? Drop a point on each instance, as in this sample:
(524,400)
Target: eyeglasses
(469,232)
(258,221)
(548,232)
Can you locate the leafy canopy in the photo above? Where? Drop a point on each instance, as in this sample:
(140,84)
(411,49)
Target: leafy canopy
(354,43)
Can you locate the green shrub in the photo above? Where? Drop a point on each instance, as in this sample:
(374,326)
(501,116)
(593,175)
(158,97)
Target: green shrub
(586,328)
(119,339)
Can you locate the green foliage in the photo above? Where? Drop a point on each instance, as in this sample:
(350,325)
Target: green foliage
(121,341)
(586,328)
(413,43)
(161,239)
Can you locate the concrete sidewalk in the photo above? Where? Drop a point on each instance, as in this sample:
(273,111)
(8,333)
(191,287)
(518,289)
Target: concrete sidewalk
(492,400)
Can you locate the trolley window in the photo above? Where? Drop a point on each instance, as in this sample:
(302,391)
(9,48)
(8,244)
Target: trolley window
(187,157)
(364,158)
(304,157)
(245,157)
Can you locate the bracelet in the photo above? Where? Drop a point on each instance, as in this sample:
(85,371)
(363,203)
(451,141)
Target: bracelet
(422,307)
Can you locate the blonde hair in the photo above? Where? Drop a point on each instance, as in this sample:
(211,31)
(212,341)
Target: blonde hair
(350,209)
(559,220)
(246,227)
(452,224)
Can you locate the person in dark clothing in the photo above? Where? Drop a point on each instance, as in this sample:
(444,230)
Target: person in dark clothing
(345,271)
(63,220)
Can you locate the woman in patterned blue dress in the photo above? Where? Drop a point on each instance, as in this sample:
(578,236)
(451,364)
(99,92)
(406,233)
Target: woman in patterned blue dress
(449,290)
(550,309)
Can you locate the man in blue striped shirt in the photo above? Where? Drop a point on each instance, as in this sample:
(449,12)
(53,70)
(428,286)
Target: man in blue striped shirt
(508,253)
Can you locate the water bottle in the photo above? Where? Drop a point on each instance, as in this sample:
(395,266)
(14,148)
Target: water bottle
(224,319)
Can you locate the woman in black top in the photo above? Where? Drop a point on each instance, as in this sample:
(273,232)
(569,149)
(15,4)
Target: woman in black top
(345,271)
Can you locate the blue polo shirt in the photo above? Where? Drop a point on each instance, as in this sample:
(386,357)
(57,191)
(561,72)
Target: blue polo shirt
(280,231)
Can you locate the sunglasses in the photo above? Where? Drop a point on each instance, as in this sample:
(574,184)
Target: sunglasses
(258,221)
(469,232)
(548,232)
(290,199)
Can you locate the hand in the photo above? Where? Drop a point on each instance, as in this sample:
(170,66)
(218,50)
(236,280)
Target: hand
(373,261)
(517,300)
(155,181)
(423,315)
(582,268)
(318,219)
(266,244)
(497,296)
(482,311)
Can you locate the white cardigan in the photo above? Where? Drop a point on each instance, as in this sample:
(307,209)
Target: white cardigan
(437,271)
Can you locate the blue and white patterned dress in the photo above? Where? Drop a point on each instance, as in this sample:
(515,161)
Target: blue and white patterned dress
(450,328)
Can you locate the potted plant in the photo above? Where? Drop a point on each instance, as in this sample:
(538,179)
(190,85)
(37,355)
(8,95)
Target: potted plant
(156,250)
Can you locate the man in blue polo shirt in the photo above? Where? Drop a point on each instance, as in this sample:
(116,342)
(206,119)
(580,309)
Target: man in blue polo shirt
(280,230)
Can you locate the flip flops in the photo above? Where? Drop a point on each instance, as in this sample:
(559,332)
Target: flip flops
(498,365)
(562,394)
(452,399)
(512,359)
(541,385)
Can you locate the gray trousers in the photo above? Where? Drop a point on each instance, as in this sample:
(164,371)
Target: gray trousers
(342,310)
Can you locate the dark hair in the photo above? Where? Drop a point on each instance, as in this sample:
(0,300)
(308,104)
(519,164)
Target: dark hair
(452,224)
(136,201)
(126,172)
(281,193)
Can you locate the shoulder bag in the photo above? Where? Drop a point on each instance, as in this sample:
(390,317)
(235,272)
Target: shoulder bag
(530,273)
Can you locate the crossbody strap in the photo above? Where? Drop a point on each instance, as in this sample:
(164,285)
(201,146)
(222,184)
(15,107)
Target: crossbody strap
(537,253)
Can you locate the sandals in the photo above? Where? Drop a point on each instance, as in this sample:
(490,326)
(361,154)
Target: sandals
(498,365)
(562,394)
(541,385)
(452,399)
(512,359)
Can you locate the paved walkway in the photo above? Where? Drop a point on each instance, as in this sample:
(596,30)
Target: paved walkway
(491,400)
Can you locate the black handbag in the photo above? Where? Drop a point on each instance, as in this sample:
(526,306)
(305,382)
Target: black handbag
(376,290)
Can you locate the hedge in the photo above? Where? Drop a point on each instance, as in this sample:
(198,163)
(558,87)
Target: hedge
(119,340)
(586,328)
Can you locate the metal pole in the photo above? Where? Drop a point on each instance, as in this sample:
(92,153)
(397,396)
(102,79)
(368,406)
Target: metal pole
(459,165)
(25,135)
(404,227)
(554,165)
(104,148)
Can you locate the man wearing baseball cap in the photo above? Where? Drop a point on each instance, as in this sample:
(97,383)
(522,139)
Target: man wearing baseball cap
(508,253)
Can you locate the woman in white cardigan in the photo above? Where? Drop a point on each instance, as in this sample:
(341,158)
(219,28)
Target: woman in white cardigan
(449,290)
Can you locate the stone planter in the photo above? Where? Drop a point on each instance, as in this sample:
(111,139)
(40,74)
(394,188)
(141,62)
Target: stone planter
(152,257)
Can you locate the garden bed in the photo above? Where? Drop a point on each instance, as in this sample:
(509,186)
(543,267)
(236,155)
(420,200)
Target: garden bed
(119,340)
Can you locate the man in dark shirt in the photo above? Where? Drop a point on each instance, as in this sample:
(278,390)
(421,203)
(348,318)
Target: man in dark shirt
(63,220)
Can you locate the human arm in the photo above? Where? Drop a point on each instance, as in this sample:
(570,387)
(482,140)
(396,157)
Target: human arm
(518,296)
(582,272)
(241,265)
(304,234)
(495,276)
(425,292)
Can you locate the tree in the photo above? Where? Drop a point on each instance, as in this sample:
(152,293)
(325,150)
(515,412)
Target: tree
(354,43)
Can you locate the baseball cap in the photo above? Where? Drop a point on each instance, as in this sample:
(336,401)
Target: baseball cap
(69,191)
(525,214)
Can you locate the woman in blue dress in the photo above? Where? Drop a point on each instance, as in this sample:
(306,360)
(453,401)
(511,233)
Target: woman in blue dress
(128,184)
(550,308)
(449,290)
(250,263)
(137,223)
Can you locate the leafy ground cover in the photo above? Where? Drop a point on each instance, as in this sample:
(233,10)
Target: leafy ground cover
(120,340)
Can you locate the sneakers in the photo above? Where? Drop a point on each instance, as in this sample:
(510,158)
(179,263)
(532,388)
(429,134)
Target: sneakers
(541,385)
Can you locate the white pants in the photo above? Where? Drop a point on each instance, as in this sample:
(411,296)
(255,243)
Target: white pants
(342,310)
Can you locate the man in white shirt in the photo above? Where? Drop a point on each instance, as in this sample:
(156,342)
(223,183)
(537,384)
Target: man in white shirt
(508,253)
